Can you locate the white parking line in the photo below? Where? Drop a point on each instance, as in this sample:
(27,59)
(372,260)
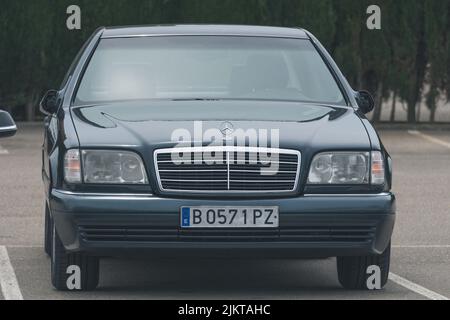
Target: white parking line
(3,151)
(15,246)
(8,281)
(425,246)
(416,288)
(430,138)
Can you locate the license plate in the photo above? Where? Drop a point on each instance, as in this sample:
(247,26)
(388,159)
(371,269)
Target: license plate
(229,217)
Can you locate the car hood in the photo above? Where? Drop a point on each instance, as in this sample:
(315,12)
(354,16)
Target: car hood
(150,125)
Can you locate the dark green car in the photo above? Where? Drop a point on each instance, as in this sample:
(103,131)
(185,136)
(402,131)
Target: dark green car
(210,141)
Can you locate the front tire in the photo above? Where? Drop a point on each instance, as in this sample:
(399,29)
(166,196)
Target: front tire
(352,271)
(61,261)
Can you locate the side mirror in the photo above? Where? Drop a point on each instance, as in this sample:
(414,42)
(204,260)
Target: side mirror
(8,127)
(50,102)
(365,101)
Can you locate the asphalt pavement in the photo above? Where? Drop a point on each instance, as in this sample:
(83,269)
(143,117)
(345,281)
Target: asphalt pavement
(420,258)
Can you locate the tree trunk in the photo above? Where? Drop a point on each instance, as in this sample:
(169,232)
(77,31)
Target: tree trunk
(394,107)
(30,108)
(419,111)
(421,65)
(411,111)
(378,103)
(433,113)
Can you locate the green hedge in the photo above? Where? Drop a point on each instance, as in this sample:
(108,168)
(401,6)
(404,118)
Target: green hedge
(409,53)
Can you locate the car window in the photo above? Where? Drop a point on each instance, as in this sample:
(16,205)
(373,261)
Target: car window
(206,67)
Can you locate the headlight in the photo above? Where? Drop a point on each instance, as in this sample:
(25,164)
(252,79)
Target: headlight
(104,167)
(340,168)
(347,168)
(113,167)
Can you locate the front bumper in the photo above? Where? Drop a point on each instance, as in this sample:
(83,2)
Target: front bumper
(310,226)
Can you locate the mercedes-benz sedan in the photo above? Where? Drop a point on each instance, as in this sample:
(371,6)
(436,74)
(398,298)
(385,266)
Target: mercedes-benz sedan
(224,141)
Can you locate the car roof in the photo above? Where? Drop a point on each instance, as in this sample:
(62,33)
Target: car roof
(203,30)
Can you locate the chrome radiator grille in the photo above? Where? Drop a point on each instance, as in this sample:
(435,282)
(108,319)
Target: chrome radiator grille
(227,169)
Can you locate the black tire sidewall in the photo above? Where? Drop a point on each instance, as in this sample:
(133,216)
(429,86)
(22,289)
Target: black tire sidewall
(61,260)
(352,271)
(48,231)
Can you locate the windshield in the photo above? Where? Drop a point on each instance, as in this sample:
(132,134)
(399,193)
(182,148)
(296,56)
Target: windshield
(207,67)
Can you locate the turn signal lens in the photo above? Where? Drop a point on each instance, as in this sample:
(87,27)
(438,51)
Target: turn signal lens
(378,174)
(72,166)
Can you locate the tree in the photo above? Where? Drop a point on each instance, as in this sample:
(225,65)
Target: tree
(408,58)
(437,24)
